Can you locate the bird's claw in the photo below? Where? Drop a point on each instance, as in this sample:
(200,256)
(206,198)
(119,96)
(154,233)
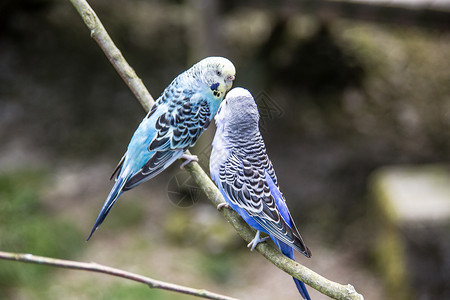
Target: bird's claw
(222,205)
(256,240)
(188,158)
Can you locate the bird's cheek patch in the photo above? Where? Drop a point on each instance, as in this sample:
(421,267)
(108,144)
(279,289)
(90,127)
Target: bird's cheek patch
(214,86)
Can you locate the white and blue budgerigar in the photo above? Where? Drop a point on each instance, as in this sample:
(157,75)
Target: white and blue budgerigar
(240,167)
(177,119)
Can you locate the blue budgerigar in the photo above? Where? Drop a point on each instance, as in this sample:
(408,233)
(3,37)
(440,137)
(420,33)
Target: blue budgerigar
(177,119)
(240,167)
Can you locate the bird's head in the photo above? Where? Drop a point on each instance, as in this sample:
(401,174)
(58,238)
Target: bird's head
(238,110)
(218,73)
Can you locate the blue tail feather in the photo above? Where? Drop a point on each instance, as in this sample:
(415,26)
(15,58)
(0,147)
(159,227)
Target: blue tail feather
(114,194)
(289,252)
(302,289)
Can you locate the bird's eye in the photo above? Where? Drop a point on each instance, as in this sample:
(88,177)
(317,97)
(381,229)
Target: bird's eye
(219,73)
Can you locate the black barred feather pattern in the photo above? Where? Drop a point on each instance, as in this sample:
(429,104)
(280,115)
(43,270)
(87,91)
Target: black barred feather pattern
(177,129)
(155,165)
(182,124)
(243,179)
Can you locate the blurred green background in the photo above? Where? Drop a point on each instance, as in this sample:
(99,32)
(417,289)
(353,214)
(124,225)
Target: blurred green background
(342,89)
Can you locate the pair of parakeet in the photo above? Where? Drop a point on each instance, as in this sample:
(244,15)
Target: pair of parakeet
(239,164)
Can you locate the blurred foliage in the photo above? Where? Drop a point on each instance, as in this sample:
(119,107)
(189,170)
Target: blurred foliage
(131,214)
(27,226)
(116,290)
(123,291)
(219,267)
(317,64)
(201,227)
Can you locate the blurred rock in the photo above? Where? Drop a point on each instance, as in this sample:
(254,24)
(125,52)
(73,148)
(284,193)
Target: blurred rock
(412,212)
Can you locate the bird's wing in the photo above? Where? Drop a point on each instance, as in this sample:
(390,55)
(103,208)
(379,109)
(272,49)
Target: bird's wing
(280,202)
(178,124)
(157,163)
(249,186)
(182,124)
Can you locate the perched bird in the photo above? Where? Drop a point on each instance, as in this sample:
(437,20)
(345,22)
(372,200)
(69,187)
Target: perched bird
(240,167)
(177,119)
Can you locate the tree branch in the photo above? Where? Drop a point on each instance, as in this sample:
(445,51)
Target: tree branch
(93,267)
(316,281)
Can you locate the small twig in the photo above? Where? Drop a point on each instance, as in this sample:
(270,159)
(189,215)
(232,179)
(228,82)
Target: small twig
(318,282)
(94,267)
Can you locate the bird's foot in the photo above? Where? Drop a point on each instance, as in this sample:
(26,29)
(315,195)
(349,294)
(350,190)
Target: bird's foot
(222,205)
(256,240)
(188,158)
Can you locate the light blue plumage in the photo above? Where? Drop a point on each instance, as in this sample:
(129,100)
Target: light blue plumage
(240,167)
(174,123)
